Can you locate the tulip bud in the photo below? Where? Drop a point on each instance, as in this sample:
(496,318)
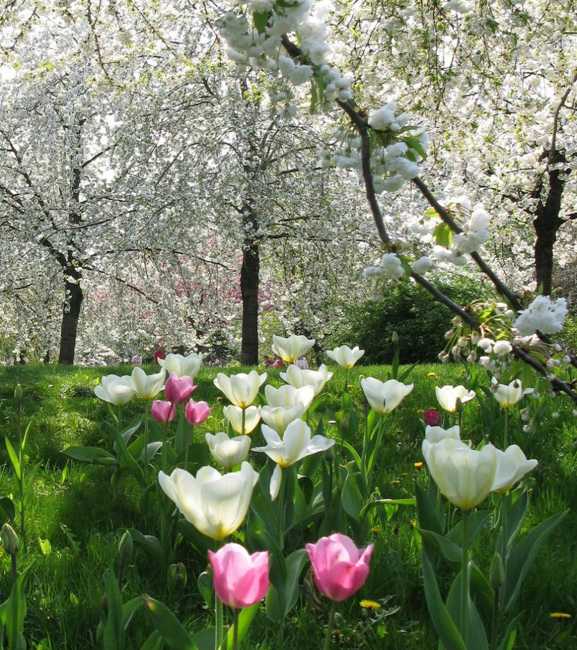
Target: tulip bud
(395,338)
(9,539)
(497,571)
(18,393)
(177,576)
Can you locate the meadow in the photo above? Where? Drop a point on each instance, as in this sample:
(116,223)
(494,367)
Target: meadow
(77,514)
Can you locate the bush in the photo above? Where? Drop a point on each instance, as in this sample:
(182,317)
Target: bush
(419,320)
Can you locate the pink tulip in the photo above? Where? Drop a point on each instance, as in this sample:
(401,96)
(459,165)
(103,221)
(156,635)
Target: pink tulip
(432,417)
(178,389)
(163,411)
(240,580)
(340,569)
(196,412)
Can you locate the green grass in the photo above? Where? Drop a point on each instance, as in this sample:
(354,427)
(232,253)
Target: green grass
(76,516)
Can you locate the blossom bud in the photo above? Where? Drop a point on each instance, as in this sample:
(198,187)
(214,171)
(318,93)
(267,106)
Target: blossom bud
(497,571)
(177,576)
(18,393)
(9,539)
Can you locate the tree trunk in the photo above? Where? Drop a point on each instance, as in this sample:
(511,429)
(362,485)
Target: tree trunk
(249,284)
(70,315)
(546,224)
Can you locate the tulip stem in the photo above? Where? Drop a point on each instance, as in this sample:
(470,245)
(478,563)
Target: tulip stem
(465,580)
(506,430)
(330,627)
(243,421)
(218,623)
(235,630)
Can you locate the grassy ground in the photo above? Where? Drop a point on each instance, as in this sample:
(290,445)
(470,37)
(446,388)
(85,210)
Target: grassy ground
(76,517)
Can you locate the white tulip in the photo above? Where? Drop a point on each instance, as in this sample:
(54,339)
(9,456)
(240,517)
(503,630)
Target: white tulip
(288,396)
(228,451)
(214,503)
(447,396)
(115,389)
(147,386)
(385,396)
(509,394)
(292,347)
(512,465)
(295,444)
(234,415)
(463,475)
(436,434)
(279,417)
(182,366)
(299,377)
(344,356)
(240,389)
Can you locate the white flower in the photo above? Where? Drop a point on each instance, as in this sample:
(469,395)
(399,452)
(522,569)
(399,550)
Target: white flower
(463,475)
(291,348)
(542,314)
(486,344)
(228,451)
(182,366)
(392,266)
(214,503)
(383,118)
(512,465)
(423,265)
(344,356)
(234,415)
(447,396)
(509,395)
(147,386)
(383,397)
(288,396)
(502,348)
(295,444)
(436,434)
(240,389)
(279,417)
(115,389)
(299,377)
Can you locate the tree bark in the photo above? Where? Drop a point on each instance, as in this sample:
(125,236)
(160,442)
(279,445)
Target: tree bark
(249,285)
(547,223)
(70,315)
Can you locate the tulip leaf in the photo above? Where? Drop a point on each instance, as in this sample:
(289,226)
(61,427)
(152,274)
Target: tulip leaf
(149,543)
(475,635)
(93,455)
(245,618)
(168,626)
(512,515)
(481,588)
(444,625)
(154,642)
(451,551)
(13,457)
(354,453)
(351,497)
(429,509)
(510,636)
(204,584)
(129,609)
(523,555)
(113,632)
(127,435)
(127,460)
(12,615)
(7,510)
(283,595)
(476,521)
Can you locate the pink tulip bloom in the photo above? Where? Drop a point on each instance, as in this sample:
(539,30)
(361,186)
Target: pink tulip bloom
(178,389)
(163,411)
(340,569)
(432,417)
(240,580)
(196,412)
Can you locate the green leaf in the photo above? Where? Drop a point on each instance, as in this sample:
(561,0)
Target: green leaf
(475,524)
(7,510)
(168,626)
(12,614)
(129,609)
(154,642)
(113,633)
(429,509)
(512,515)
(150,544)
(283,595)
(442,621)
(127,460)
(351,497)
(523,555)
(260,20)
(481,589)
(204,584)
(413,142)
(13,457)
(127,435)
(443,235)
(450,550)
(476,637)
(93,455)
(245,619)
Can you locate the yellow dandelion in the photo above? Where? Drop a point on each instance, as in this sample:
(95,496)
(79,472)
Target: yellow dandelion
(376,530)
(370,604)
(559,616)
(419,465)
(432,375)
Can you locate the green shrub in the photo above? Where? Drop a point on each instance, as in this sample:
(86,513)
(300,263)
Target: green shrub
(419,320)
